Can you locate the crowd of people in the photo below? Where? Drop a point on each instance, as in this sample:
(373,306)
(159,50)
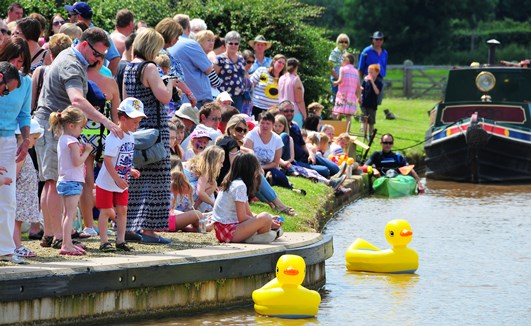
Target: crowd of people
(233,121)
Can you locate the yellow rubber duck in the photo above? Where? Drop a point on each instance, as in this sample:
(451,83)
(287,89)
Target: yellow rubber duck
(364,257)
(284,296)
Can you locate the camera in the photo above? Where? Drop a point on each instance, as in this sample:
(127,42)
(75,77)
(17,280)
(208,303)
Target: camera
(175,97)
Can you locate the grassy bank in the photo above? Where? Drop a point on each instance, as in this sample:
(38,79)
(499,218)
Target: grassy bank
(408,128)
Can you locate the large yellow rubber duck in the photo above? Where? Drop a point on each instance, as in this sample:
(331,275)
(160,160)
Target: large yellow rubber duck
(284,296)
(365,257)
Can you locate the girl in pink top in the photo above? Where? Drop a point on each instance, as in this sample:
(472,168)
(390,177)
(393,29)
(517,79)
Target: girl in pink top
(349,89)
(290,88)
(71,156)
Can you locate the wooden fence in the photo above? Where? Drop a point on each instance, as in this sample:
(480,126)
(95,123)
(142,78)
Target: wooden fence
(414,81)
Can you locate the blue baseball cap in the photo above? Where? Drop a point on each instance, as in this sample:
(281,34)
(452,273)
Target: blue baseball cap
(81,8)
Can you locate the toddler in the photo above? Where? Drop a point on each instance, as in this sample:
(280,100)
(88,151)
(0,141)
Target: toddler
(199,140)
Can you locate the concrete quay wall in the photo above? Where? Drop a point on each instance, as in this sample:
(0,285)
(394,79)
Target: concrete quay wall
(116,288)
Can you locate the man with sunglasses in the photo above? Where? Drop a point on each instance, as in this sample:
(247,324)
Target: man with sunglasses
(385,160)
(209,119)
(322,165)
(82,12)
(374,54)
(65,83)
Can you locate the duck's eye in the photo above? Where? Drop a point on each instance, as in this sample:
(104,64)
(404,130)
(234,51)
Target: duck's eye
(391,233)
(277,269)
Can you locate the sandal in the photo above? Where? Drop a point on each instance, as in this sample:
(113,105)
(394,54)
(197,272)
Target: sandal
(77,235)
(300,191)
(47,241)
(36,236)
(123,247)
(57,243)
(24,252)
(107,247)
(71,253)
(79,244)
(286,210)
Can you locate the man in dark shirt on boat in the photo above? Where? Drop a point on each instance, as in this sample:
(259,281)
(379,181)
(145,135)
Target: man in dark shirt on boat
(385,160)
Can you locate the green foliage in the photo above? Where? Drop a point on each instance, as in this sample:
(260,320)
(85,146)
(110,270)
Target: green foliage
(288,24)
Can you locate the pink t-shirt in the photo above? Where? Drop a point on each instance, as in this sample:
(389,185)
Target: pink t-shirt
(67,170)
(286,90)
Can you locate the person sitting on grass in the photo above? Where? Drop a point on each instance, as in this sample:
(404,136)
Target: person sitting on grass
(186,217)
(233,219)
(199,140)
(385,160)
(111,185)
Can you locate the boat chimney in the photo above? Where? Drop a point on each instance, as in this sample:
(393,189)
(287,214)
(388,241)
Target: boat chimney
(492,43)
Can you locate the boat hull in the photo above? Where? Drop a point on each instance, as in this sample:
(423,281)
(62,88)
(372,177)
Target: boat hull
(502,155)
(399,186)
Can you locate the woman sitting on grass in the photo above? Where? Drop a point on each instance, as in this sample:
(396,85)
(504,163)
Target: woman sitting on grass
(233,219)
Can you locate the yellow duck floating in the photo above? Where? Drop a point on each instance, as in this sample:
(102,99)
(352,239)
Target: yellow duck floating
(364,257)
(284,296)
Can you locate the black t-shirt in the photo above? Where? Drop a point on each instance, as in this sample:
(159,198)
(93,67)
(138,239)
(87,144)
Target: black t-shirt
(369,99)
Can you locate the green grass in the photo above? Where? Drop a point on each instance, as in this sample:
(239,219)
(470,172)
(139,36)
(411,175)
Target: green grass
(409,127)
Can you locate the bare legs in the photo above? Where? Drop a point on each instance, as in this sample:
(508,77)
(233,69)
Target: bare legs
(52,210)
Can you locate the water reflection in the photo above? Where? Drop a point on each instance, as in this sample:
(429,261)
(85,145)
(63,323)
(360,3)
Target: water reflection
(474,263)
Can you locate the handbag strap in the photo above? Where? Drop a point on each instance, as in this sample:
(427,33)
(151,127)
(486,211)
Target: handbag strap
(139,71)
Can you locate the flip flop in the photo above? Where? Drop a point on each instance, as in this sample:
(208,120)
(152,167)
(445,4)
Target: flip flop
(71,253)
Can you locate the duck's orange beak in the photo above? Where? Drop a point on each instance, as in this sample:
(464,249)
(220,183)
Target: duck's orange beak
(291,271)
(406,233)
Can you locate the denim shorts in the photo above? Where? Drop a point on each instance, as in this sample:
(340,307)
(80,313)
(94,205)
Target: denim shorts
(69,188)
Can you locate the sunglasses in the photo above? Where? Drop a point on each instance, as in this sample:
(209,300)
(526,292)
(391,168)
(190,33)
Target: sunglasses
(4,31)
(240,130)
(387,143)
(59,22)
(250,62)
(95,52)
(70,14)
(345,42)
(6,89)
(215,118)
(235,44)
(288,111)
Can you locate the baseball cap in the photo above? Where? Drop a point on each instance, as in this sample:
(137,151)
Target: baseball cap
(81,8)
(199,134)
(186,111)
(35,128)
(133,107)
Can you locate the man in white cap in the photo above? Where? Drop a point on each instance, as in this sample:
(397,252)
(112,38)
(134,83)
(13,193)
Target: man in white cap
(112,181)
(260,45)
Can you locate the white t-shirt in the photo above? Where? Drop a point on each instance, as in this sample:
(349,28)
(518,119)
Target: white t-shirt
(188,154)
(121,151)
(225,205)
(264,152)
(67,170)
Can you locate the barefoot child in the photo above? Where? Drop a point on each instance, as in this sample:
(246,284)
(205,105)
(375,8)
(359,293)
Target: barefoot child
(71,156)
(349,89)
(27,191)
(233,219)
(111,184)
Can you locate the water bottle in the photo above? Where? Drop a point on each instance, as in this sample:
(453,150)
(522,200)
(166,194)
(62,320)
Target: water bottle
(202,224)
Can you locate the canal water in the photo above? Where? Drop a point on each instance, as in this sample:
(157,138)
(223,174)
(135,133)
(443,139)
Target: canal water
(474,252)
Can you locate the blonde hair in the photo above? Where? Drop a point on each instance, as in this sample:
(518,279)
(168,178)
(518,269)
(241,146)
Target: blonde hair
(234,122)
(72,30)
(344,136)
(208,163)
(313,137)
(203,35)
(69,115)
(282,119)
(169,28)
(342,36)
(327,126)
(324,139)
(315,106)
(180,184)
(162,60)
(147,44)
(59,42)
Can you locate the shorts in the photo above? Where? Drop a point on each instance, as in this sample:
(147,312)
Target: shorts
(110,199)
(46,149)
(225,232)
(69,188)
(371,113)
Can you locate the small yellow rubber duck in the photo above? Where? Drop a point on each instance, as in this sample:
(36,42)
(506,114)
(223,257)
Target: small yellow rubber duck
(362,256)
(284,296)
